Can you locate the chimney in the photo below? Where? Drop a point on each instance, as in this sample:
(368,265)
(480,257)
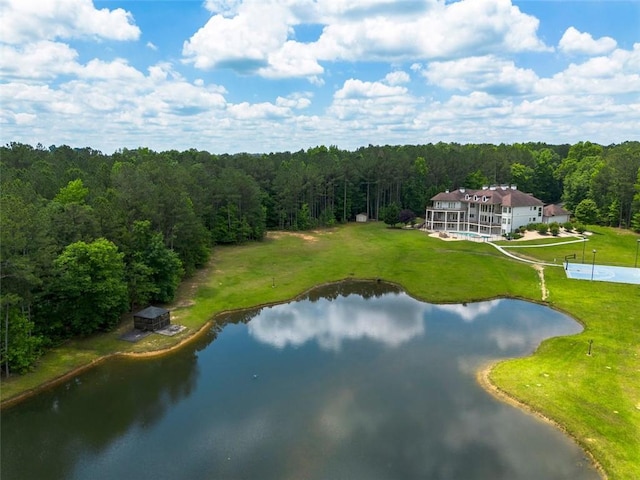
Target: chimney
(513,187)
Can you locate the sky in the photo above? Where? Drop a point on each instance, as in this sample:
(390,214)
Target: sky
(260,76)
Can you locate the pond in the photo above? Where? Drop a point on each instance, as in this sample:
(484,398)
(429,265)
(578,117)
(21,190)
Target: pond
(353,381)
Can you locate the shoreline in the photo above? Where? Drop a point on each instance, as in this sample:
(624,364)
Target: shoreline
(483,377)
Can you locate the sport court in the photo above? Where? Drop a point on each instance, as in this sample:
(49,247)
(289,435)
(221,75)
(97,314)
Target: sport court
(602,273)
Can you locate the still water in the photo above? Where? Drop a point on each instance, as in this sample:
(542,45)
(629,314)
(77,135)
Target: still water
(354,381)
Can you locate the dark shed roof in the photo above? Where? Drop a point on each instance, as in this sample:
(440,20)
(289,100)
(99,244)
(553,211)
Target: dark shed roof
(151,312)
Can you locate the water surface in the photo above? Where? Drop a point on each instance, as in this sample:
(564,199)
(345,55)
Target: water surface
(355,381)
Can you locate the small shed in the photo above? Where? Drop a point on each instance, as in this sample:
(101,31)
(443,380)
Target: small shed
(555,213)
(361,218)
(151,319)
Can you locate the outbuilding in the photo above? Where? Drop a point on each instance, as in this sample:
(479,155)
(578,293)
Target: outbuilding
(555,213)
(151,319)
(361,218)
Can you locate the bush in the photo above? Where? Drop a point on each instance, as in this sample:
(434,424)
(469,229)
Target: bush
(513,235)
(554,229)
(580,228)
(542,228)
(568,226)
(407,216)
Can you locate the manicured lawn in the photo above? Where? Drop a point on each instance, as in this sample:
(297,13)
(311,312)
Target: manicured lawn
(596,398)
(613,247)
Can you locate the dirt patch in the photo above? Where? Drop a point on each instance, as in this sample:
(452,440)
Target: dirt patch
(304,236)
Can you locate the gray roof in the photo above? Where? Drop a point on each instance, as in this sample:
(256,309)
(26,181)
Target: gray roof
(151,312)
(507,196)
(554,210)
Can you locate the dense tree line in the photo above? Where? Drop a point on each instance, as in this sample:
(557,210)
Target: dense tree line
(87,236)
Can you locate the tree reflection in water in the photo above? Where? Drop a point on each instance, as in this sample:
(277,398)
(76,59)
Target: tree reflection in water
(355,380)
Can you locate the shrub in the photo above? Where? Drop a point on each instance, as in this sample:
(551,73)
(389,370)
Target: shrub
(513,235)
(543,228)
(568,226)
(580,228)
(554,228)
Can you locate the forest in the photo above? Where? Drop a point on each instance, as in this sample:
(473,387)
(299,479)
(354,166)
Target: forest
(87,237)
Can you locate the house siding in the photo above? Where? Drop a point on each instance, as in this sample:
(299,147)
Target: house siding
(490,211)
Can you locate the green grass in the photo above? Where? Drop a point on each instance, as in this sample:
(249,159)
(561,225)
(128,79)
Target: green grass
(595,398)
(613,247)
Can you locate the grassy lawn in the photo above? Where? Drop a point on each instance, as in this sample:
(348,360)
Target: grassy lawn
(596,398)
(613,247)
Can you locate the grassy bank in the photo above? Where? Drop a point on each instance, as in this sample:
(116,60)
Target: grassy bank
(596,398)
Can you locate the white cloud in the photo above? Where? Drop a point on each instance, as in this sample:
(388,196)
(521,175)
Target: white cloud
(118,69)
(38,60)
(359,100)
(443,31)
(576,42)
(615,74)
(295,101)
(223,7)
(152,46)
(31,21)
(256,111)
(397,78)
(241,39)
(353,88)
(489,73)
(292,60)
(242,42)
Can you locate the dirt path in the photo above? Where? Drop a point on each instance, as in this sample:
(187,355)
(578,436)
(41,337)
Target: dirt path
(543,285)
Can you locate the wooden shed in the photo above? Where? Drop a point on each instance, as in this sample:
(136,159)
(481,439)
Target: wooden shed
(151,319)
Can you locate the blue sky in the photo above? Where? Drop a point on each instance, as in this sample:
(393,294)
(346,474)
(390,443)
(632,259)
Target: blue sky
(275,75)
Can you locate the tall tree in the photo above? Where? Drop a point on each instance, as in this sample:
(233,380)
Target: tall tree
(546,186)
(88,292)
(153,272)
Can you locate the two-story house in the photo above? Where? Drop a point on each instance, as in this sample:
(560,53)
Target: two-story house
(495,210)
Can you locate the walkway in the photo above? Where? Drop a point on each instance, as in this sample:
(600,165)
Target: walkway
(502,248)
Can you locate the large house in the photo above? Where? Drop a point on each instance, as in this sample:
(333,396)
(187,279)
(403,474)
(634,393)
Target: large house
(495,210)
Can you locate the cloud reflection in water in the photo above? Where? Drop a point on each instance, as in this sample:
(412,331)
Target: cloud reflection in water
(330,324)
